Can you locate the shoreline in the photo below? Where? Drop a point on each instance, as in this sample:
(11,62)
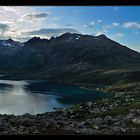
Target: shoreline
(92,118)
(119,114)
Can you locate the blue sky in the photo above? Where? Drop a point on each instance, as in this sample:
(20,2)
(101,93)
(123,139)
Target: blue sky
(120,23)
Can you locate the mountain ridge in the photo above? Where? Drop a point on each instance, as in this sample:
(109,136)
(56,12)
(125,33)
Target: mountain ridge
(74,58)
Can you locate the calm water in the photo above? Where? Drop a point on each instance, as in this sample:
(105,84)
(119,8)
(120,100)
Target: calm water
(31,96)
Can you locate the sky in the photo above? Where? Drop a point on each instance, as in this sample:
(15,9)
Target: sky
(120,23)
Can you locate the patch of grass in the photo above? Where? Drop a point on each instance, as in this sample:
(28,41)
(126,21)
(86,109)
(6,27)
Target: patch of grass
(121,110)
(115,71)
(122,86)
(103,101)
(127,85)
(75,107)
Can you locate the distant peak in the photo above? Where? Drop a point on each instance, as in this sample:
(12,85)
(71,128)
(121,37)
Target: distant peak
(66,34)
(10,40)
(102,36)
(52,38)
(35,38)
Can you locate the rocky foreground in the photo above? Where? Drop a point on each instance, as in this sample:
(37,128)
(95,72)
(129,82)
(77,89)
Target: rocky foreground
(119,115)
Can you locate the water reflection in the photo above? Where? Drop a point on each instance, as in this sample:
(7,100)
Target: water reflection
(19,97)
(17,100)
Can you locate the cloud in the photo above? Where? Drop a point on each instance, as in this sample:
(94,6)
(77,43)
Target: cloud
(136,32)
(18,22)
(106,28)
(68,25)
(85,25)
(13,13)
(90,24)
(128,25)
(36,16)
(99,33)
(14,20)
(115,24)
(119,34)
(49,32)
(3,26)
(116,36)
(99,21)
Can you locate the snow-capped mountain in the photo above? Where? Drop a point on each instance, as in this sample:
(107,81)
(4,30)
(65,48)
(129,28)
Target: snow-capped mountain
(10,43)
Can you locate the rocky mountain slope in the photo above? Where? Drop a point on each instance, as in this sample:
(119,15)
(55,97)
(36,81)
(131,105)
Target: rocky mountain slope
(74,58)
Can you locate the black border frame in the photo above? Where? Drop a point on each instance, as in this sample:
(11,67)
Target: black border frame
(69,2)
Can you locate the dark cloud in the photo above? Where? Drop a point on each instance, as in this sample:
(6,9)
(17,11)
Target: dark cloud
(3,27)
(36,16)
(68,25)
(52,32)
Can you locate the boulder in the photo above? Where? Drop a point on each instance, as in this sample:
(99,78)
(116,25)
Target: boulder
(89,104)
(138,112)
(118,123)
(130,116)
(95,110)
(99,120)
(116,129)
(136,120)
(123,130)
(82,124)
(108,119)
(2,127)
(90,121)
(72,116)
(133,111)
(95,126)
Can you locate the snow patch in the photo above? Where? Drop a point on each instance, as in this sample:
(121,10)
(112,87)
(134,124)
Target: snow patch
(77,38)
(97,38)
(13,44)
(21,44)
(6,43)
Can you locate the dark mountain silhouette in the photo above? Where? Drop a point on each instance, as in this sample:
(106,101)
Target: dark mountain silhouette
(73,58)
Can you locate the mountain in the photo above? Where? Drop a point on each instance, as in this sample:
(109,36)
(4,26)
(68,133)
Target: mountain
(9,46)
(7,49)
(10,43)
(74,58)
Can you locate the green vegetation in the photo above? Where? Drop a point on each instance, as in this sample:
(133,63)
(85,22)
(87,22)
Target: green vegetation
(121,110)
